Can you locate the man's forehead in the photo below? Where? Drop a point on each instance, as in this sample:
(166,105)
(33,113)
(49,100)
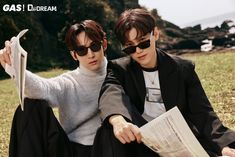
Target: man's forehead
(83,39)
(134,35)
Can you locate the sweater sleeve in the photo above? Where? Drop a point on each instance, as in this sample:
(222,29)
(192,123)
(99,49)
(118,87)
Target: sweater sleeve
(113,99)
(37,87)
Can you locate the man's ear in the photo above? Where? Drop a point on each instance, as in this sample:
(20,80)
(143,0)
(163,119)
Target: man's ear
(105,44)
(74,55)
(156,33)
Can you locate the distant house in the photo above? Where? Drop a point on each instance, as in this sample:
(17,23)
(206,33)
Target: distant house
(232,30)
(231,26)
(207,46)
(230,23)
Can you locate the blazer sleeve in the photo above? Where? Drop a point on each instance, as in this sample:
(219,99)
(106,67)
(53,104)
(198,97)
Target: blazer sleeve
(203,115)
(113,100)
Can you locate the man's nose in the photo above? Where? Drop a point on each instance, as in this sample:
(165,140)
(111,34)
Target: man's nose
(90,53)
(138,50)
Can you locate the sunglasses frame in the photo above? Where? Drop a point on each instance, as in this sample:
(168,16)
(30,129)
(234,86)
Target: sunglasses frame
(142,45)
(84,50)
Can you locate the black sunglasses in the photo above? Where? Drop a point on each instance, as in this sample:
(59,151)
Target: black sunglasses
(132,49)
(83,50)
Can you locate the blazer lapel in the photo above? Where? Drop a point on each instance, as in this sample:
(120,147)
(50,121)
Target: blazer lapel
(168,78)
(138,78)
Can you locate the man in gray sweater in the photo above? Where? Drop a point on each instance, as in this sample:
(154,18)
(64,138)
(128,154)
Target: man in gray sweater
(35,131)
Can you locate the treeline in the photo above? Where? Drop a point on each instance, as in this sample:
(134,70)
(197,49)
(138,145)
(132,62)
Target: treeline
(44,41)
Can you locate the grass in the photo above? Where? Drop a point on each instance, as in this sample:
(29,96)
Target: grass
(8,103)
(215,70)
(217,74)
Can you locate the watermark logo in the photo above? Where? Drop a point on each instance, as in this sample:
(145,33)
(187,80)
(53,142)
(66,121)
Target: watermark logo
(13,7)
(27,7)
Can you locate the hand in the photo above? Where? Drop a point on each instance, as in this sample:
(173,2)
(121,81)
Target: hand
(5,54)
(228,152)
(124,131)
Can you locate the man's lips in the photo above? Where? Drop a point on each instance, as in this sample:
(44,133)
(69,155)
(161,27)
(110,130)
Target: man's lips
(93,62)
(141,57)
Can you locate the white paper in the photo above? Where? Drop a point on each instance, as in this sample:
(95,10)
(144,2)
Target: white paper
(18,65)
(170,136)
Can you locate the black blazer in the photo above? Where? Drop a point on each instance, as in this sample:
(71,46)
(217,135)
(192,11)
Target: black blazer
(123,92)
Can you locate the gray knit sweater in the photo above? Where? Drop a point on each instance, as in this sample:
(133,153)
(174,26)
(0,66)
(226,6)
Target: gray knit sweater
(75,93)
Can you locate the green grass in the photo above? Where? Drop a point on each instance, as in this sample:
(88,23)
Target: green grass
(8,103)
(216,72)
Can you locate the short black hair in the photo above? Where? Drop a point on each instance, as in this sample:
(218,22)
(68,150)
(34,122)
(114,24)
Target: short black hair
(92,29)
(138,18)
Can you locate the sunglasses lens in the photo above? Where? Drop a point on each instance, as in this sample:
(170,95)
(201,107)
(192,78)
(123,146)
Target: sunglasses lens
(129,50)
(144,44)
(95,46)
(81,50)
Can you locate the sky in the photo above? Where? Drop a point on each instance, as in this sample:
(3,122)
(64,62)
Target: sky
(182,12)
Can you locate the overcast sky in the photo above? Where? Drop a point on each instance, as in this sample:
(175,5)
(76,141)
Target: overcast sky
(181,12)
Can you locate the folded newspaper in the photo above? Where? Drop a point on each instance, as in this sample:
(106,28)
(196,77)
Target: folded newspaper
(169,136)
(17,69)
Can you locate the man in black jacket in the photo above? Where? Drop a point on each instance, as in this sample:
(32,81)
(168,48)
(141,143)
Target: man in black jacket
(148,82)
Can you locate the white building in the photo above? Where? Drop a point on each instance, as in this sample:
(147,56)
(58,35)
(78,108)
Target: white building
(207,46)
(232,30)
(231,25)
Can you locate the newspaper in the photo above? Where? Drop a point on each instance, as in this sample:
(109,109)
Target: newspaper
(17,69)
(170,136)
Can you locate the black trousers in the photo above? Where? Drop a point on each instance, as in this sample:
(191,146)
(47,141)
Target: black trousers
(36,132)
(107,145)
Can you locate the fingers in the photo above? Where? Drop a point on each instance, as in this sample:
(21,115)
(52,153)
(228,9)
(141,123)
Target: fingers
(119,137)
(8,51)
(136,133)
(226,151)
(128,133)
(5,54)
(8,46)
(6,57)
(3,57)
(124,131)
(2,60)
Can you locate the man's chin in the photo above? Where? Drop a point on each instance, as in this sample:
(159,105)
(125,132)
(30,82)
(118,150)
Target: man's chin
(94,67)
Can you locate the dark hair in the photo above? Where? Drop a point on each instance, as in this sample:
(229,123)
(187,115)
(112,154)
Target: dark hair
(92,29)
(138,18)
